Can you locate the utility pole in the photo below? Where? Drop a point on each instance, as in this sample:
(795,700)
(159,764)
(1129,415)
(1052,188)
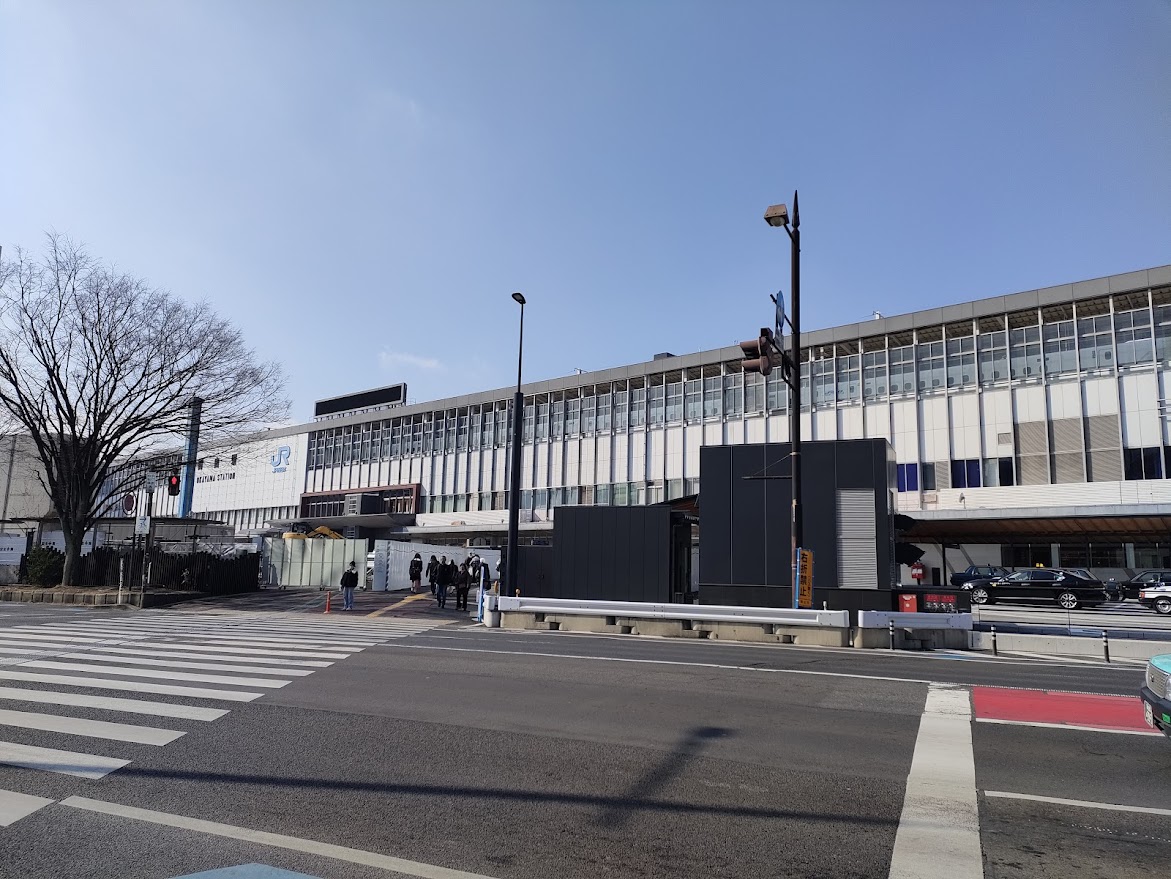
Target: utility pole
(513,548)
(187,491)
(798,531)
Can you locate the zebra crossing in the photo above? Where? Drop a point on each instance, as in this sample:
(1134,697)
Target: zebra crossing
(153,678)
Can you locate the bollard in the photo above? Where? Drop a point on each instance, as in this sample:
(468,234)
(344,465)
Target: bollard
(328,594)
(1105,645)
(995,652)
(892,634)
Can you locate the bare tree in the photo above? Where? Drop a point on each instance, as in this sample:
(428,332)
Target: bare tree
(99,369)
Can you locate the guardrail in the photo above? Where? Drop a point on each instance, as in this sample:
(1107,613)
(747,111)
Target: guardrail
(882,619)
(704,612)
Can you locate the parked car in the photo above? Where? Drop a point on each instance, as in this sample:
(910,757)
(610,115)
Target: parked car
(978,572)
(1039,585)
(1120,590)
(1157,597)
(1156,693)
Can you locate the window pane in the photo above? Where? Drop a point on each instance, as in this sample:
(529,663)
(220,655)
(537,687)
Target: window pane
(1132,463)
(959,474)
(1152,463)
(928,471)
(973,468)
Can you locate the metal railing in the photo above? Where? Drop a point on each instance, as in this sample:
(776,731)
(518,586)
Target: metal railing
(696,612)
(881,619)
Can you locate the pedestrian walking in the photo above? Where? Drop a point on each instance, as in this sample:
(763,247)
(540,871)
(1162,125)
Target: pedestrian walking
(443,577)
(432,568)
(349,581)
(416,573)
(462,582)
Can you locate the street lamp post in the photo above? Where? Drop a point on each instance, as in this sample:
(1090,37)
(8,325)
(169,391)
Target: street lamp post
(510,558)
(778,215)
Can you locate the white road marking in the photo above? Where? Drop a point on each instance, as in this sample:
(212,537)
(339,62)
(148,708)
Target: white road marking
(276,840)
(1071,727)
(241,651)
(112,703)
(53,760)
(178,654)
(94,729)
(785,671)
(8,636)
(153,673)
(939,829)
(128,686)
(171,663)
(253,644)
(14,806)
(1084,804)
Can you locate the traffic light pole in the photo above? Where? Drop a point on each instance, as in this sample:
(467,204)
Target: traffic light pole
(797,529)
(146,540)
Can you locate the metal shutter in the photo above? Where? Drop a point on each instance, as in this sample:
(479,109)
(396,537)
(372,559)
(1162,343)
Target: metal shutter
(1106,465)
(1104,437)
(1033,451)
(942,475)
(1068,467)
(857,547)
(1066,438)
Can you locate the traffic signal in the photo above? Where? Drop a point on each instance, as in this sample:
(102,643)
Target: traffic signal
(758,354)
(173,483)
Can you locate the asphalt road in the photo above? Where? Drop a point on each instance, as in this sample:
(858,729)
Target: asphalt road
(514,754)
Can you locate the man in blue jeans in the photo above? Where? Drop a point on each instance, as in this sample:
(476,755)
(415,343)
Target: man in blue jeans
(349,581)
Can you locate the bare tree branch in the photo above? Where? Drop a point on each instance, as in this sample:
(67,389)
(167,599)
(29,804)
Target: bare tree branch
(99,369)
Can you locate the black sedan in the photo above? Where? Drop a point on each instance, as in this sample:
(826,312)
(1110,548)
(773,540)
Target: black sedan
(1039,586)
(1120,590)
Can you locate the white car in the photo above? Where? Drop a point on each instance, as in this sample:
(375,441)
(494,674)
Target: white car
(1157,597)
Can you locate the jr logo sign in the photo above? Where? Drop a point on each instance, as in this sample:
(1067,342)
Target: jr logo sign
(280,460)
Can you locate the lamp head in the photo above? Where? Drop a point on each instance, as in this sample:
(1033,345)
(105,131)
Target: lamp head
(519,297)
(777,215)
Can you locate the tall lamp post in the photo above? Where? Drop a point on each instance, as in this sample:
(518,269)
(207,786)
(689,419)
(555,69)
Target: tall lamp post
(778,215)
(510,558)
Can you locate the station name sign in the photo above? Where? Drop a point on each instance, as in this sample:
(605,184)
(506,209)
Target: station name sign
(215,477)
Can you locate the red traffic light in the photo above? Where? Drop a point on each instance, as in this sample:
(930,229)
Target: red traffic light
(173,484)
(758,354)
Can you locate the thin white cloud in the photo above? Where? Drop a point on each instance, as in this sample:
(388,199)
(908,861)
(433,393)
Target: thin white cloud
(388,359)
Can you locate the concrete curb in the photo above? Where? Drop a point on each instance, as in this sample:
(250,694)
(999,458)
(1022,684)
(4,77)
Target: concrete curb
(1065,645)
(95,597)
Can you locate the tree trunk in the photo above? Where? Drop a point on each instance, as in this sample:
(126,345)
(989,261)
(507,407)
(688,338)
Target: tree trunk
(72,570)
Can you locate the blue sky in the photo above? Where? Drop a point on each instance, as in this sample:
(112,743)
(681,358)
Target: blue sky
(361,186)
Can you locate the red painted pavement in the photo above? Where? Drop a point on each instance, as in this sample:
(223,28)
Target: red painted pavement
(1072,709)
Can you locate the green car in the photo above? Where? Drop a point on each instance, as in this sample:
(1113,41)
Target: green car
(1156,694)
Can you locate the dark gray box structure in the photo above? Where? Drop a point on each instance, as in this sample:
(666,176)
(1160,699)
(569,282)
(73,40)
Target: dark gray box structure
(619,554)
(848,502)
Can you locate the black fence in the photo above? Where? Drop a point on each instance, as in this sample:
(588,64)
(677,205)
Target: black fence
(203,572)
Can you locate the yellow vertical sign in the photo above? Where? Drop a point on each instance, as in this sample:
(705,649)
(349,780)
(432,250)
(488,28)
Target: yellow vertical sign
(805,578)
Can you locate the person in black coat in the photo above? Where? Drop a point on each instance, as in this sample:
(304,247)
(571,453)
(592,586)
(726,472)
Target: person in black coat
(443,578)
(416,572)
(462,583)
(432,569)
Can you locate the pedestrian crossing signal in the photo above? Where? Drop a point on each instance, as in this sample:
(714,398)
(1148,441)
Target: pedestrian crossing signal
(173,483)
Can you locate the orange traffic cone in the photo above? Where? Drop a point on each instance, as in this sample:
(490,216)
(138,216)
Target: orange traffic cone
(328,595)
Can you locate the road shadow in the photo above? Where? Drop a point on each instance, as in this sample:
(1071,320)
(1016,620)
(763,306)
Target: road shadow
(638,800)
(668,769)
